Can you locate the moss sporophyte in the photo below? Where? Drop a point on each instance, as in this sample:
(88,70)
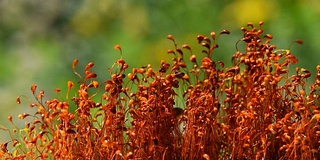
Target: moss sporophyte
(186,109)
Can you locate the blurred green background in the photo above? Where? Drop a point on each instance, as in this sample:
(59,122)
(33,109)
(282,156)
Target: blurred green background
(40,39)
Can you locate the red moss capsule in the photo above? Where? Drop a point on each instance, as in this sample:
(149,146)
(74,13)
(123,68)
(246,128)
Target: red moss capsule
(121,61)
(261,23)
(185,46)
(213,35)
(89,65)
(95,84)
(18,100)
(70,85)
(117,47)
(269,36)
(170,37)
(318,68)
(206,156)
(225,32)
(185,77)
(150,73)
(23,116)
(207,39)
(74,64)
(141,70)
(33,88)
(170,51)
(206,45)
(299,41)
(10,118)
(193,58)
(181,64)
(200,38)
(179,51)
(57,90)
(206,62)
(91,75)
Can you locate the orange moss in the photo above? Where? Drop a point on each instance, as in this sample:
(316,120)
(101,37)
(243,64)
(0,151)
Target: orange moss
(251,110)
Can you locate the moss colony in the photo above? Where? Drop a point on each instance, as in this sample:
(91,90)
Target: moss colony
(254,109)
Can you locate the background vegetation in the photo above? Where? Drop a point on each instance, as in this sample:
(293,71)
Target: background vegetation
(40,39)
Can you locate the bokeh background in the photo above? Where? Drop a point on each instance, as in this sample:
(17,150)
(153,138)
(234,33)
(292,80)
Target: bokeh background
(40,39)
